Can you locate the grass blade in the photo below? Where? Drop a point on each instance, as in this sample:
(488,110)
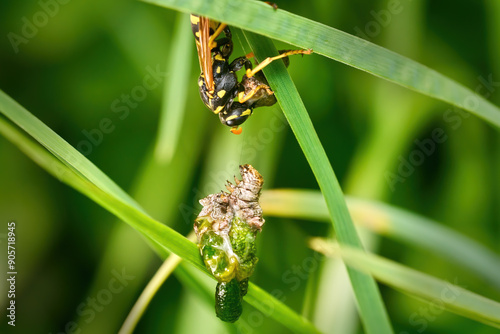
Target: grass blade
(390,221)
(260,18)
(450,296)
(150,290)
(116,201)
(60,148)
(371,307)
(175,92)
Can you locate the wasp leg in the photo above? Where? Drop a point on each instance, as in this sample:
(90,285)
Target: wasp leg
(244,96)
(224,45)
(223,48)
(286,60)
(255,88)
(239,63)
(216,34)
(250,73)
(227,32)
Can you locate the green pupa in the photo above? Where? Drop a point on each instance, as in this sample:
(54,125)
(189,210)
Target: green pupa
(226,229)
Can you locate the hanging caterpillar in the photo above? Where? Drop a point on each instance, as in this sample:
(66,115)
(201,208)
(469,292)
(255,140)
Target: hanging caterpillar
(226,228)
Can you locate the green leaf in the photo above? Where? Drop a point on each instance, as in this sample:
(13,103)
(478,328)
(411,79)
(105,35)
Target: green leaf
(392,222)
(439,292)
(371,308)
(175,91)
(81,174)
(61,149)
(260,18)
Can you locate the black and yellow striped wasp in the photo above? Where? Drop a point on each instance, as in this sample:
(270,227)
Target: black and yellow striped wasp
(218,82)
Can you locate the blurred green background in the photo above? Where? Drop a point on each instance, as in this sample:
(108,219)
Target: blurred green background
(73,64)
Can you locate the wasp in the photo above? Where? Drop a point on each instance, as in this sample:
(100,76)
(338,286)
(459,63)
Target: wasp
(218,82)
(253,92)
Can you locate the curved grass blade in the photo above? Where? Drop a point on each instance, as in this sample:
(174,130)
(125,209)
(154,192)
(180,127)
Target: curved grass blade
(392,222)
(278,24)
(61,149)
(450,296)
(108,198)
(157,186)
(150,290)
(371,308)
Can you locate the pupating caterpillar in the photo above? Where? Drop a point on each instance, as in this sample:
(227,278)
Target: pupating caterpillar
(226,229)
